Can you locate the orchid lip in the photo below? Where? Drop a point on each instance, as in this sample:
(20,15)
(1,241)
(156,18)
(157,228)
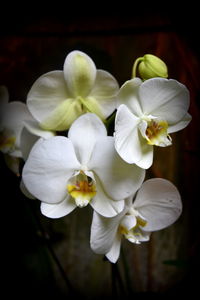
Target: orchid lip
(155,132)
(134,234)
(82,189)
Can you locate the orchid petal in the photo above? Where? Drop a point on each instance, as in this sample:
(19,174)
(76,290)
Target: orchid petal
(147,155)
(159,202)
(49,101)
(79,73)
(129,143)
(30,134)
(181,124)
(118,178)
(166,99)
(103,231)
(128,221)
(63,115)
(33,127)
(103,204)
(114,252)
(104,92)
(127,140)
(27,142)
(25,191)
(128,95)
(14,116)
(58,210)
(49,166)
(84,133)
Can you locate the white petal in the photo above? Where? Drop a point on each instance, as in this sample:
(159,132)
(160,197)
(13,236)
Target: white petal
(49,166)
(58,210)
(119,179)
(16,112)
(128,95)
(103,204)
(25,191)
(114,252)
(127,135)
(49,101)
(181,124)
(128,221)
(27,142)
(129,143)
(30,134)
(159,202)
(80,73)
(33,127)
(147,154)
(103,232)
(84,133)
(165,99)
(104,92)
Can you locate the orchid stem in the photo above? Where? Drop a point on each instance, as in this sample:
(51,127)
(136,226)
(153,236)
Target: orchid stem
(134,70)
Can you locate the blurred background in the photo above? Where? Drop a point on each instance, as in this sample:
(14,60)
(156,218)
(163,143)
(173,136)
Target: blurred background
(52,258)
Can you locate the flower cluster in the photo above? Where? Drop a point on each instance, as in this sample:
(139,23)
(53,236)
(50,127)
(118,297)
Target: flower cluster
(72,160)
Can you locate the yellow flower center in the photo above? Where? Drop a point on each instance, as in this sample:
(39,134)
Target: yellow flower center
(6,142)
(134,234)
(82,190)
(156,133)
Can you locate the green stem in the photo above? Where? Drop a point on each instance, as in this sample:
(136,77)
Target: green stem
(134,70)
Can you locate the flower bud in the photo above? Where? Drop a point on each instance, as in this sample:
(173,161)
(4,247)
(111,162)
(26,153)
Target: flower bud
(150,66)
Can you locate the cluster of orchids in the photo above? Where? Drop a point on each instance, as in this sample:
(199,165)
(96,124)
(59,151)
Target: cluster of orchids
(71,159)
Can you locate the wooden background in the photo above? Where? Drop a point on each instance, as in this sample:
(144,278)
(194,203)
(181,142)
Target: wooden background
(44,257)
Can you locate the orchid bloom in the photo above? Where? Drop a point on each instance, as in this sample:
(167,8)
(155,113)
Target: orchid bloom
(12,116)
(156,206)
(58,98)
(66,172)
(148,112)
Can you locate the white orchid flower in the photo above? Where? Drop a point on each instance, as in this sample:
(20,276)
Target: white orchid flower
(12,116)
(58,98)
(148,112)
(156,206)
(84,168)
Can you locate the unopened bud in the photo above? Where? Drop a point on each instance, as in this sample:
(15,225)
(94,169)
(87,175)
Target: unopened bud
(150,66)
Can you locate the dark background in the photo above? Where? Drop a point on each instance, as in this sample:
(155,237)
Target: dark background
(52,258)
